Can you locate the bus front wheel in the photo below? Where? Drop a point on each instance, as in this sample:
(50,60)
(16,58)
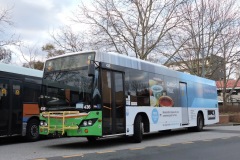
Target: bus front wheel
(138,129)
(32,130)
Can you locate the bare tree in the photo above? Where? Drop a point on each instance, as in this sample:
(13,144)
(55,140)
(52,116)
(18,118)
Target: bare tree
(69,41)
(130,26)
(31,57)
(210,29)
(5,55)
(230,51)
(5,40)
(5,21)
(198,40)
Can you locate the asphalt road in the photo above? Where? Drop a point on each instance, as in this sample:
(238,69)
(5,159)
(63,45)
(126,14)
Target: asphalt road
(217,149)
(215,142)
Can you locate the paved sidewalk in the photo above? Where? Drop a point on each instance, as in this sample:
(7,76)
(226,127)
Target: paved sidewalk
(225,124)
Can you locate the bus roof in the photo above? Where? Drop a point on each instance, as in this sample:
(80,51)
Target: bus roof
(20,70)
(132,62)
(72,53)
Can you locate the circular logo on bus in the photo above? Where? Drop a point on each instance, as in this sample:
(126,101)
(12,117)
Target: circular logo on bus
(155,115)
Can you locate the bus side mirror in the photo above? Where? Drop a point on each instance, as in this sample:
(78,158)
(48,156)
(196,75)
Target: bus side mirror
(91,69)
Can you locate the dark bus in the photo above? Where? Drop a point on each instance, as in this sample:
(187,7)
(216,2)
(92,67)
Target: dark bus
(19,93)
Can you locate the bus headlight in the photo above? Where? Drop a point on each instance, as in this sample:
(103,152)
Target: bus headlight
(85,123)
(88,122)
(43,123)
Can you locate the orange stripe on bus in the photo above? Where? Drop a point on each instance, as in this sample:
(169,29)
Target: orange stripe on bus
(30,109)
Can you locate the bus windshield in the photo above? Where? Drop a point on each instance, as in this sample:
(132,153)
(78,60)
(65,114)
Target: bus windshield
(67,86)
(71,62)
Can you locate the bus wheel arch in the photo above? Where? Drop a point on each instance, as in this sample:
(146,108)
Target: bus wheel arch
(141,125)
(32,133)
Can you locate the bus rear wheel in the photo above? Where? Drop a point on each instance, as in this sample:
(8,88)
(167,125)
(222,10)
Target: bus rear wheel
(138,129)
(200,123)
(32,130)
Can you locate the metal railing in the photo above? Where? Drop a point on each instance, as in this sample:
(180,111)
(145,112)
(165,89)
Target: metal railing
(62,115)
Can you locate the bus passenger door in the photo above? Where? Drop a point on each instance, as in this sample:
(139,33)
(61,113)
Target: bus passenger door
(113,102)
(4,106)
(16,107)
(184,102)
(10,107)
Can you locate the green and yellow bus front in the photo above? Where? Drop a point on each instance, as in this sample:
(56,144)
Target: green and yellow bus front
(70,102)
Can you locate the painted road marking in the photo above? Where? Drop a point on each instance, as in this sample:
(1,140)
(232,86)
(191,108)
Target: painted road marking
(225,138)
(187,142)
(164,145)
(207,140)
(105,152)
(132,149)
(75,155)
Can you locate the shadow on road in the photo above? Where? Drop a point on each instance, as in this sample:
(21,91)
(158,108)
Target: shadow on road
(117,141)
(18,139)
(11,140)
(100,143)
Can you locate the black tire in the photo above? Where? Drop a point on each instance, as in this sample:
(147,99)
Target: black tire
(200,123)
(91,139)
(138,129)
(32,133)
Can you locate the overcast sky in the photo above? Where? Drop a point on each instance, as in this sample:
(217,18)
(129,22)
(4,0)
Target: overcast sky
(33,19)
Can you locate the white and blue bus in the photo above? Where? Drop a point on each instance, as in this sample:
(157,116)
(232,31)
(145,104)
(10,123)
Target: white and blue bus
(93,94)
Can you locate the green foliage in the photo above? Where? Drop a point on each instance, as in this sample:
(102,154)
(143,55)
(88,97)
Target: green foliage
(51,50)
(34,64)
(5,55)
(38,65)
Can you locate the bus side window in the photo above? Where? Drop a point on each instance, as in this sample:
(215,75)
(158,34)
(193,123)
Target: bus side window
(31,92)
(138,88)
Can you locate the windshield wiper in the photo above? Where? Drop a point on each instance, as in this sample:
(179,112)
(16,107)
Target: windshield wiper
(57,102)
